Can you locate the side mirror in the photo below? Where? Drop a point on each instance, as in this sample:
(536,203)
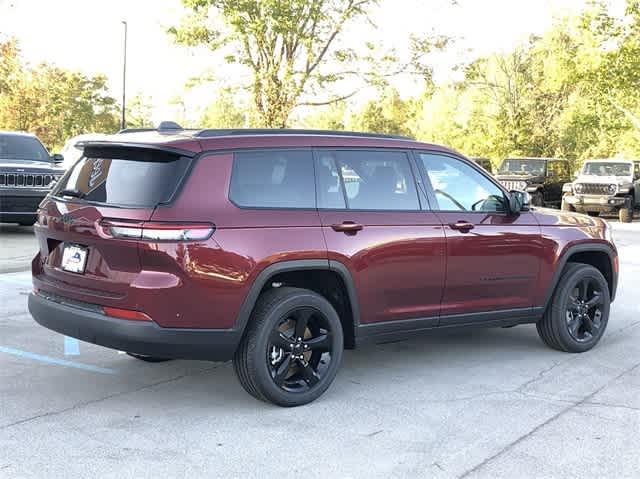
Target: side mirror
(519,201)
(57,159)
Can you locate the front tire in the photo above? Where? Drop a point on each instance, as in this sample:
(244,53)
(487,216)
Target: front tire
(578,314)
(292,348)
(537,199)
(625,215)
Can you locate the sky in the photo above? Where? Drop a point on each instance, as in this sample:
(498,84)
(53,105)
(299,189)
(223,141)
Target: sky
(87,35)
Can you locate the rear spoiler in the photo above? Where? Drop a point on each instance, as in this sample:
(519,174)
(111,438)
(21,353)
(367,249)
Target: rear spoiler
(132,151)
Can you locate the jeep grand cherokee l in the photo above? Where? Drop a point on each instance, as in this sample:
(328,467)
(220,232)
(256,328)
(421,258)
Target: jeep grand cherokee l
(280,248)
(27,173)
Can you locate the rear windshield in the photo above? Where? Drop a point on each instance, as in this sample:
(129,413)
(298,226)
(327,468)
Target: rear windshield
(123,182)
(16,147)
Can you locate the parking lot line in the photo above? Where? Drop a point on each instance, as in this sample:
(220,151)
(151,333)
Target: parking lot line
(56,361)
(71,346)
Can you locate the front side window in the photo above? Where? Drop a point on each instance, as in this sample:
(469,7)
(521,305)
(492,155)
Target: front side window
(460,187)
(273,179)
(366,180)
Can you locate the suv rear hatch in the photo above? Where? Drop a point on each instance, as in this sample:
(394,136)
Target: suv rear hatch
(89,228)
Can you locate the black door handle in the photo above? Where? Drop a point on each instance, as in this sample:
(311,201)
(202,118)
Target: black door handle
(463,226)
(347,227)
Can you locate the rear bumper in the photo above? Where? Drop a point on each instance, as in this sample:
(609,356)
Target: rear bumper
(139,337)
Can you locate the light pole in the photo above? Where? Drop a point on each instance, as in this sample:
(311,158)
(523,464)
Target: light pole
(123,122)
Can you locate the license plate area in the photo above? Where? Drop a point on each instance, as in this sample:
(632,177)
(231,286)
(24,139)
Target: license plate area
(74,258)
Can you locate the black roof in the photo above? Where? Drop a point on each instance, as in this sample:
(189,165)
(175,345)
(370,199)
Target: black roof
(215,132)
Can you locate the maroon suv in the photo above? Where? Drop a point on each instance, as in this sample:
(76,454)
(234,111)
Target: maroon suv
(280,248)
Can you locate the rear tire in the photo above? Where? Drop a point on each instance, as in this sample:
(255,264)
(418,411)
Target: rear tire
(578,314)
(625,215)
(292,348)
(148,359)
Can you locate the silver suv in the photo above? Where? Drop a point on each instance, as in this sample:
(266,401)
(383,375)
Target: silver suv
(605,186)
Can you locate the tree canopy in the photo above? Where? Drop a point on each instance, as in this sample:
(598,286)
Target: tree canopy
(52,102)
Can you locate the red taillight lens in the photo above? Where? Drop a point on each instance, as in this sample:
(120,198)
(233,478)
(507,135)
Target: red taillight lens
(156,231)
(126,314)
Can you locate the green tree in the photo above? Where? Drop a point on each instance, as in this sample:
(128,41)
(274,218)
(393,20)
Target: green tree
(225,112)
(388,114)
(52,102)
(292,49)
(139,112)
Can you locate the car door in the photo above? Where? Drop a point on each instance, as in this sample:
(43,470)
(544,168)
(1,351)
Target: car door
(493,256)
(374,224)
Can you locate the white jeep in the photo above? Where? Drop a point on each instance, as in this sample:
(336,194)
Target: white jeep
(604,186)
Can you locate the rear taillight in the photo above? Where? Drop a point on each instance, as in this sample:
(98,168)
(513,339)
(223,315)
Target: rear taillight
(153,231)
(126,314)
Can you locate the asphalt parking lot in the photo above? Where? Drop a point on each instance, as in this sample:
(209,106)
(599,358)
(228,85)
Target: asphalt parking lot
(490,403)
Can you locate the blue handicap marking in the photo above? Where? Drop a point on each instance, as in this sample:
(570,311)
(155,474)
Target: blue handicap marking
(71,346)
(59,362)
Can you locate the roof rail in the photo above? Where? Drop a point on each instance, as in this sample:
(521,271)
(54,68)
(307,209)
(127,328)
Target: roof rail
(209,133)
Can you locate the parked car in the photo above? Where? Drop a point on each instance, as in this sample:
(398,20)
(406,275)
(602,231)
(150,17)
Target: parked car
(542,178)
(485,163)
(251,245)
(27,172)
(605,186)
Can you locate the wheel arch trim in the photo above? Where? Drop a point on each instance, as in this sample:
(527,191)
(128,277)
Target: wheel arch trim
(267,273)
(581,248)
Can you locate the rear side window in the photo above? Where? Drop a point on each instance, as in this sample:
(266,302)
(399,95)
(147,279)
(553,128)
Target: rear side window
(367,180)
(273,179)
(123,182)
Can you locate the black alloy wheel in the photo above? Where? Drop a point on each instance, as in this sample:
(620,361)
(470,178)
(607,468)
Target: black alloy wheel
(584,310)
(300,350)
(292,347)
(578,313)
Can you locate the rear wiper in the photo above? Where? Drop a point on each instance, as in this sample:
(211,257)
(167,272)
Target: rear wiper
(72,192)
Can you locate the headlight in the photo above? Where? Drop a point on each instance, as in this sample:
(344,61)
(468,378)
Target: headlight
(613,189)
(579,188)
(567,188)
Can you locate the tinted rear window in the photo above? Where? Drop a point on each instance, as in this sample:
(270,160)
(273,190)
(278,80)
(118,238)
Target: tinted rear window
(16,147)
(273,179)
(124,182)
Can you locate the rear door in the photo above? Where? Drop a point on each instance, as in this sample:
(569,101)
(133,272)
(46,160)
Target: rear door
(110,188)
(373,223)
(493,257)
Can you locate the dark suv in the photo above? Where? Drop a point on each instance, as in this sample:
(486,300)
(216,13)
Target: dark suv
(27,173)
(542,178)
(280,248)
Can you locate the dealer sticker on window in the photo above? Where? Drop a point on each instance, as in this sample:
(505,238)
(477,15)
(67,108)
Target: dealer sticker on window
(74,258)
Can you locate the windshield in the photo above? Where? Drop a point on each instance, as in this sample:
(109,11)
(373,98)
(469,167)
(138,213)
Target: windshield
(14,147)
(523,167)
(607,169)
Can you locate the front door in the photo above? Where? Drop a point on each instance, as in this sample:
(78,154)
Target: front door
(374,224)
(493,257)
